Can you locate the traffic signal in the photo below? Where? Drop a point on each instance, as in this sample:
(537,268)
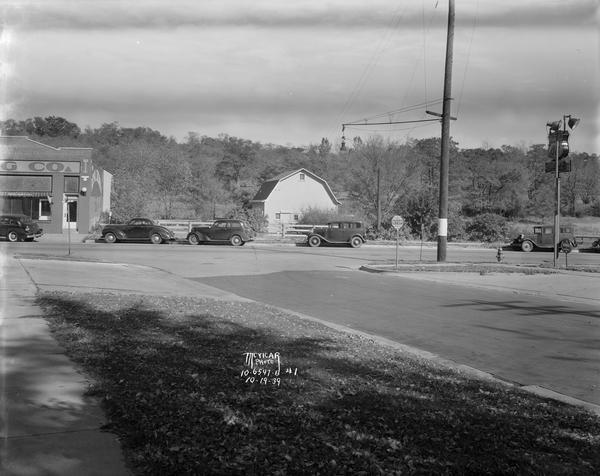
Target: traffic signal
(563,166)
(552,137)
(558,139)
(563,144)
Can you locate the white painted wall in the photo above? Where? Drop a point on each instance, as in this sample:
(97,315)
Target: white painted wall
(292,196)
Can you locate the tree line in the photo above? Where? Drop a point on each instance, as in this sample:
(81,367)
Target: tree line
(204,177)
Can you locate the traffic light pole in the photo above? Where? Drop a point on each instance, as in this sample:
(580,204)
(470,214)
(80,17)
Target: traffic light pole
(557,211)
(561,145)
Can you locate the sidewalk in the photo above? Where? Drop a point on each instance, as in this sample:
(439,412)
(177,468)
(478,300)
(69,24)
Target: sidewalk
(47,425)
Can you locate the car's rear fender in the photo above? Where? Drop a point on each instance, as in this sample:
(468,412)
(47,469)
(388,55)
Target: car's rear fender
(115,231)
(201,236)
(165,233)
(320,236)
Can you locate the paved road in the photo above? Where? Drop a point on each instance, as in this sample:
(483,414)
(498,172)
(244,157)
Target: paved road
(210,260)
(527,339)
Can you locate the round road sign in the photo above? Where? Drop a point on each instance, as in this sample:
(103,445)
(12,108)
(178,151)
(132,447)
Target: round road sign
(397,222)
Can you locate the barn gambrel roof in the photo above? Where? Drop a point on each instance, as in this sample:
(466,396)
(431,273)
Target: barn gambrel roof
(268,186)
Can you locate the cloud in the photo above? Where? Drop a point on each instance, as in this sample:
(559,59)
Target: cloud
(350,14)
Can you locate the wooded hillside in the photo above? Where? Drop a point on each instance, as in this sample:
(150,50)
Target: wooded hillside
(203,177)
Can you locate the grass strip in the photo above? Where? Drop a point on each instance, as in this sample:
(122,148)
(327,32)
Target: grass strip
(175,380)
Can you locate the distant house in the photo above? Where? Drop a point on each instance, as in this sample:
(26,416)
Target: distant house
(282,199)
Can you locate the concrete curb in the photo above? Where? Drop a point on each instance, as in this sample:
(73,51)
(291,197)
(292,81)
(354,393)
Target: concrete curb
(460,267)
(576,286)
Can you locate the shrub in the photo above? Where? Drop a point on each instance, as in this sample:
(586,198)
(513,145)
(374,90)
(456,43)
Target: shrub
(387,233)
(254,218)
(487,227)
(317,216)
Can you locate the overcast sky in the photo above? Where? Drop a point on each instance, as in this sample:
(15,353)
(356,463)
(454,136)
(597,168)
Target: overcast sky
(291,72)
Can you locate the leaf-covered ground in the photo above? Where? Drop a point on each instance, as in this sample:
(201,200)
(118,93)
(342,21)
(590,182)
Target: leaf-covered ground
(176,383)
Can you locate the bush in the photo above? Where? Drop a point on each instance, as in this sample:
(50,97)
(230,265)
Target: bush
(387,233)
(317,216)
(254,218)
(487,227)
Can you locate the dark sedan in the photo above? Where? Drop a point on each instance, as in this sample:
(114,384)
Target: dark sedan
(137,229)
(19,228)
(235,232)
(338,232)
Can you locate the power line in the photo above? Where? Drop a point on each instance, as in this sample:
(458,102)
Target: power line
(390,114)
(390,122)
(396,18)
(462,87)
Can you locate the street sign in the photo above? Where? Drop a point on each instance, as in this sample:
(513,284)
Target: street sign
(397,222)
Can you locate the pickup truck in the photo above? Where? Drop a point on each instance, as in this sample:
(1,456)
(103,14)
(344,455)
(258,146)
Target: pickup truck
(137,229)
(235,232)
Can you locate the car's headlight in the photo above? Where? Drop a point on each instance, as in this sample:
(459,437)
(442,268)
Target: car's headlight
(27,228)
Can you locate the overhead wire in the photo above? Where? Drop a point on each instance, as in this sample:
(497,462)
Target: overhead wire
(426,27)
(396,18)
(411,108)
(462,87)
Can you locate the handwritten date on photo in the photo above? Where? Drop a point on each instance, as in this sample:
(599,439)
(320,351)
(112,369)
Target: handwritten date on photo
(267,376)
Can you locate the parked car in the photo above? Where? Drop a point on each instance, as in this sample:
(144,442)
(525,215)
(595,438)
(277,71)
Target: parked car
(137,229)
(348,232)
(235,232)
(542,238)
(19,228)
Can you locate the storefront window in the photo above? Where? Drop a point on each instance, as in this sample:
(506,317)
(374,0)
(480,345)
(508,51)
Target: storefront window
(71,184)
(35,207)
(44,209)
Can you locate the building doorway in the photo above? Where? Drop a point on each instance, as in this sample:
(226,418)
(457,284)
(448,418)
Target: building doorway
(70,212)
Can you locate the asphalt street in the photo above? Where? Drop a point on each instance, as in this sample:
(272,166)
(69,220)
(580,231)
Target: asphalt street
(503,324)
(524,338)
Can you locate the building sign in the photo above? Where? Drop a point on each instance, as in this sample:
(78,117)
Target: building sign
(22,183)
(39,166)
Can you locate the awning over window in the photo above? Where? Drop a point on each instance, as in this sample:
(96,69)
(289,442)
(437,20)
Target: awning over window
(24,194)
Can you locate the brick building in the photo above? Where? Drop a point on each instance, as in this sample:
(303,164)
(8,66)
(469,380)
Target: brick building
(60,188)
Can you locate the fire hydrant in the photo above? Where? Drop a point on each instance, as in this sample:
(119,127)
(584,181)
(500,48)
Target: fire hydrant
(499,255)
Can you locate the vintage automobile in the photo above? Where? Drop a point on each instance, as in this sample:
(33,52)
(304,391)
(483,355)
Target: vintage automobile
(542,237)
(235,232)
(338,232)
(19,228)
(137,229)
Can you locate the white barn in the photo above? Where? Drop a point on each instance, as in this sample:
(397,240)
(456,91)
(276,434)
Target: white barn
(282,199)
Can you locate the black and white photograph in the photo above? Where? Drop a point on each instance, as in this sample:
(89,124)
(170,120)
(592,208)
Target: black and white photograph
(318,237)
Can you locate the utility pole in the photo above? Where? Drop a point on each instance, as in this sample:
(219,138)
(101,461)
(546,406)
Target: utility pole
(445,153)
(378,195)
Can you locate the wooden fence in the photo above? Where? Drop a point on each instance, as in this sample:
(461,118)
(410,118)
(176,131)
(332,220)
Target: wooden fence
(181,228)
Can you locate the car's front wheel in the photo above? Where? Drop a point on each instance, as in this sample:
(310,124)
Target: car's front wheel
(314,241)
(193,239)
(156,239)
(236,240)
(13,236)
(356,242)
(527,246)
(110,238)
